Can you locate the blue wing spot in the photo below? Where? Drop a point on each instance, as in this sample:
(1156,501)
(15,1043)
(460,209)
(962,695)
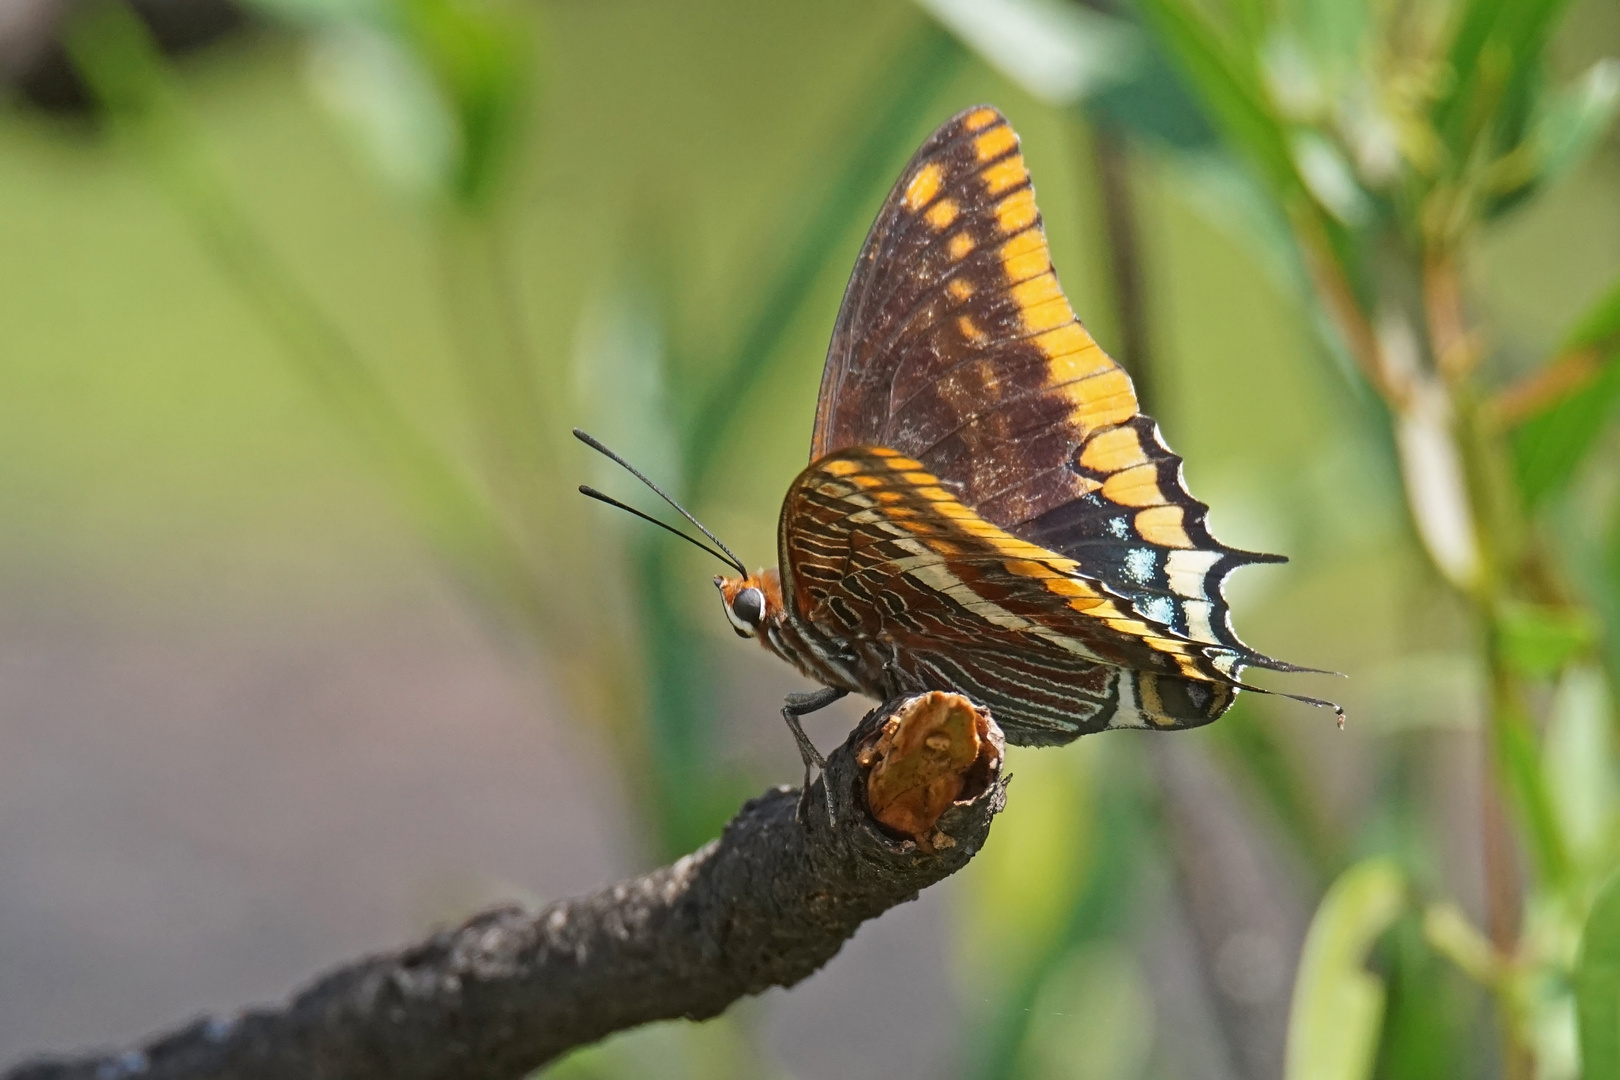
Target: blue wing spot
(1158,608)
(1140,564)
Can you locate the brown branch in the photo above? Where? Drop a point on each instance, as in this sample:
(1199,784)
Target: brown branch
(1562,377)
(1338,298)
(766,904)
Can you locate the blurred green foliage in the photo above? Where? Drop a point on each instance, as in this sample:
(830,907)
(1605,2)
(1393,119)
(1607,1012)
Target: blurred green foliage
(640,221)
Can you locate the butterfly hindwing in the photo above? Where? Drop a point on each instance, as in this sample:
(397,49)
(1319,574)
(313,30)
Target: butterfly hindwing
(956,347)
(878,553)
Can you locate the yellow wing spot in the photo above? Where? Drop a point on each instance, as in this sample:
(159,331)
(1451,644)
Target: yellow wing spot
(1113,450)
(1037,290)
(960,245)
(924,186)
(1104,399)
(970,330)
(935,494)
(1023,244)
(980,119)
(1065,586)
(1025,256)
(1047,316)
(897,462)
(1009,546)
(920,479)
(1005,174)
(959,288)
(1017,211)
(1134,487)
(945,547)
(1068,586)
(1147,696)
(995,142)
(1189,668)
(1163,525)
(1075,367)
(1167,645)
(889,498)
(1134,627)
(883,451)
(1087,605)
(1069,341)
(867,481)
(941,214)
(1066,367)
(979,527)
(841,467)
(1028,568)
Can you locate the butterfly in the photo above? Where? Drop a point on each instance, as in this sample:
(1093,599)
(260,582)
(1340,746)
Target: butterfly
(986,510)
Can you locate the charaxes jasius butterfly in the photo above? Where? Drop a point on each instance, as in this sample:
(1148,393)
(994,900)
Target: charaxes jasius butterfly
(986,510)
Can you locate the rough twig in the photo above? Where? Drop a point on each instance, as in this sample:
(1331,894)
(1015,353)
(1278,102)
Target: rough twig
(766,904)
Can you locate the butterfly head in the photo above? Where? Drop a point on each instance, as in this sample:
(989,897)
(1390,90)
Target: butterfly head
(750,601)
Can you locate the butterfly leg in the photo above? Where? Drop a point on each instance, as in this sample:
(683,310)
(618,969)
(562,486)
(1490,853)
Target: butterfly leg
(801,704)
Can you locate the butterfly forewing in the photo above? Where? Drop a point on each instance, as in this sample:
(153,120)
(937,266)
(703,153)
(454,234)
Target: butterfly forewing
(956,347)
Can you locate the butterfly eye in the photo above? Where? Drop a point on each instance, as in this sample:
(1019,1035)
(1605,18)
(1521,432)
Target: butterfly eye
(745,611)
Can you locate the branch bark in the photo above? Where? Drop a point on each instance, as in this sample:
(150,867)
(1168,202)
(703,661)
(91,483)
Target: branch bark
(766,904)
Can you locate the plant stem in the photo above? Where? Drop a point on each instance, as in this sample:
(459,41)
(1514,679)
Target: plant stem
(1110,159)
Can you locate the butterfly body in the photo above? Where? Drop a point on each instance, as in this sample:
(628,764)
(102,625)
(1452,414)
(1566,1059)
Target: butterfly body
(986,510)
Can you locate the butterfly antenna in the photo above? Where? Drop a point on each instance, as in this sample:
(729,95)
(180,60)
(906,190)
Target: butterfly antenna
(591,441)
(590,492)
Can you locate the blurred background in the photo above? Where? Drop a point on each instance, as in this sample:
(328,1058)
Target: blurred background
(307,645)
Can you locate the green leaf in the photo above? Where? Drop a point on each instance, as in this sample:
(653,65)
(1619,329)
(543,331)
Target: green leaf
(1568,124)
(116,55)
(1058,52)
(1338,1006)
(1577,760)
(1537,640)
(1550,445)
(1599,328)
(1514,740)
(1597,986)
(1230,89)
(1153,102)
(436,90)
(481,57)
(1430,1014)
(1496,61)
(390,104)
